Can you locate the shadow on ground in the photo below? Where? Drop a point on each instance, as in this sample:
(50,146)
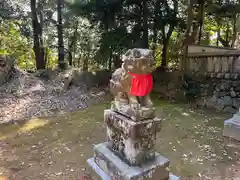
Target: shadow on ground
(57,147)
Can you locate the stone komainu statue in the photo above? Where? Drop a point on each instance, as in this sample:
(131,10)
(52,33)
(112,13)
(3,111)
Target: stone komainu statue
(132,84)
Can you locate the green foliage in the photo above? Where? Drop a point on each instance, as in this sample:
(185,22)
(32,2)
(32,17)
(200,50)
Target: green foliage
(97,30)
(13,43)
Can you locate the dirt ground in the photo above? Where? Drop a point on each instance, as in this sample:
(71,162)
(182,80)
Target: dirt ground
(57,147)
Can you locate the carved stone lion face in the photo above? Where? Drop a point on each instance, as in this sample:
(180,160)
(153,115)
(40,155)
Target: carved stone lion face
(138,61)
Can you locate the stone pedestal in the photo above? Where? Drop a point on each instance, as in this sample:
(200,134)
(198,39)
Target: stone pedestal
(232,127)
(133,141)
(129,153)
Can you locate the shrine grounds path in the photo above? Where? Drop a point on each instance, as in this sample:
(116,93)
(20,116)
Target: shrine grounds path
(56,148)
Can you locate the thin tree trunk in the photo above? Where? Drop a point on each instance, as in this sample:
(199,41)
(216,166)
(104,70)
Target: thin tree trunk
(70,59)
(110,60)
(164,53)
(155,21)
(187,35)
(218,32)
(85,63)
(145,24)
(116,61)
(166,38)
(75,39)
(61,63)
(201,21)
(36,37)
(234,30)
(40,8)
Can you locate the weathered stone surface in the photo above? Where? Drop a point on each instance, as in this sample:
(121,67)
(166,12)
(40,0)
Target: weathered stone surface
(233,93)
(104,176)
(236,102)
(117,169)
(232,127)
(132,141)
(229,109)
(135,61)
(227,100)
(76,77)
(136,114)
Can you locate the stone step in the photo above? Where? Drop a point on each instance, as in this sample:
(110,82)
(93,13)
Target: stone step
(104,176)
(107,164)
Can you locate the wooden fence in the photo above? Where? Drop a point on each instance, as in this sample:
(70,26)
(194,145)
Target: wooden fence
(213,62)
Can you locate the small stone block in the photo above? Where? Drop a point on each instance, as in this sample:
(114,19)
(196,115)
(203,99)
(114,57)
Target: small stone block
(232,129)
(115,168)
(136,115)
(128,127)
(131,140)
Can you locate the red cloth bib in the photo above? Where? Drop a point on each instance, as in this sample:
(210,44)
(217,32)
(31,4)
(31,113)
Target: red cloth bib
(142,84)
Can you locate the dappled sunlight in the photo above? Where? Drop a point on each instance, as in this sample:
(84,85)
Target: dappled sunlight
(33,124)
(185,114)
(12,129)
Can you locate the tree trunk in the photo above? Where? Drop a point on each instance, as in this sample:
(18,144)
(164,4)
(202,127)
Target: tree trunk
(166,38)
(37,30)
(117,61)
(164,53)
(234,30)
(218,32)
(155,21)
(85,63)
(145,24)
(201,21)
(70,59)
(187,35)
(40,8)
(61,63)
(110,60)
(75,39)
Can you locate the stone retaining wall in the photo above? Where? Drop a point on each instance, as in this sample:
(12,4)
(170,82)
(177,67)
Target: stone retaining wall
(220,91)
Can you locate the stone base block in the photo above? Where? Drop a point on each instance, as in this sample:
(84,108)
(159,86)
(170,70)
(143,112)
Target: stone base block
(232,129)
(109,166)
(136,115)
(131,140)
(104,176)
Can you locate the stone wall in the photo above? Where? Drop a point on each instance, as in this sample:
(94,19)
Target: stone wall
(220,91)
(168,85)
